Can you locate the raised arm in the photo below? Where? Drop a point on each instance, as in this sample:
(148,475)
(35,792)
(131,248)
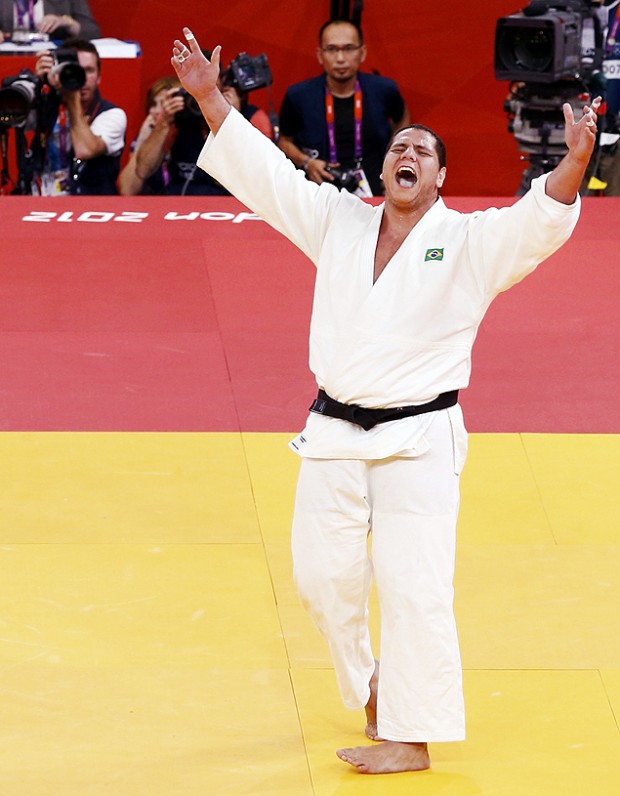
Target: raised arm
(200,76)
(564,181)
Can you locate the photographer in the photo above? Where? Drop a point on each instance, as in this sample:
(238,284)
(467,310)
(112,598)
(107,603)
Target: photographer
(162,102)
(56,19)
(342,120)
(172,135)
(80,136)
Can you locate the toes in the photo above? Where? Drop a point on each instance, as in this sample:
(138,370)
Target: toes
(371,731)
(344,754)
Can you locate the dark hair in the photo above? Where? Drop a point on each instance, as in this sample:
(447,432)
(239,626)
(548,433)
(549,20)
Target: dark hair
(83,46)
(440,147)
(325,25)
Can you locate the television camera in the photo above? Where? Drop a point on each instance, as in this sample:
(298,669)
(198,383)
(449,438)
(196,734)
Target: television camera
(552,52)
(245,73)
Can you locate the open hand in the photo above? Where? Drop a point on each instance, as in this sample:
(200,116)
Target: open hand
(197,74)
(580,136)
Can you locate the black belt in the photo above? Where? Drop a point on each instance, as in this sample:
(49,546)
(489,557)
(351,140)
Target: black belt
(367,418)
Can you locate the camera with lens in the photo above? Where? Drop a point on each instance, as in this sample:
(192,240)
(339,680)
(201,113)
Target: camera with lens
(345,180)
(246,72)
(552,52)
(542,43)
(71,75)
(190,113)
(18,97)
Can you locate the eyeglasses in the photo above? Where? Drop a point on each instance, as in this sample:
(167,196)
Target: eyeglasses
(348,49)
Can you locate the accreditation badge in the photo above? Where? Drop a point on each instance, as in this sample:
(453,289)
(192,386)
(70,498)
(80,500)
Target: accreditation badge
(363,188)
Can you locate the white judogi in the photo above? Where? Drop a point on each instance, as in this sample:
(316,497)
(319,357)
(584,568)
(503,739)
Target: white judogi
(403,340)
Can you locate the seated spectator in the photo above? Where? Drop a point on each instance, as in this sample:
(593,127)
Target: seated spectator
(56,19)
(80,136)
(343,119)
(164,155)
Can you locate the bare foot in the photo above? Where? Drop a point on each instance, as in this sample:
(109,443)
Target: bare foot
(389,757)
(371,706)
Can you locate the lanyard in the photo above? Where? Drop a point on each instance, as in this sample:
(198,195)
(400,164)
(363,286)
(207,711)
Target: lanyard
(63,138)
(93,108)
(25,8)
(331,124)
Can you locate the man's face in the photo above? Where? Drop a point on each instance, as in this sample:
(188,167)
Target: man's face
(340,53)
(88,62)
(411,173)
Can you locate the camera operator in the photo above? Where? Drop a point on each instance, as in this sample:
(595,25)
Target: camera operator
(26,20)
(557,52)
(164,155)
(342,120)
(80,136)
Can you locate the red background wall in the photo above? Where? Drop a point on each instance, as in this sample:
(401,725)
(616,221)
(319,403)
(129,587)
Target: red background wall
(441,55)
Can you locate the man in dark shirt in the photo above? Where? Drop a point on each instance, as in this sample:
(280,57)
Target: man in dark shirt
(341,121)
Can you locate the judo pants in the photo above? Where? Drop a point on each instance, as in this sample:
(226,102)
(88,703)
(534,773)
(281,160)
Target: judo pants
(409,506)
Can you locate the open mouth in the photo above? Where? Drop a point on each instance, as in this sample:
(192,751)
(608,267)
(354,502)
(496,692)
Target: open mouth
(406,177)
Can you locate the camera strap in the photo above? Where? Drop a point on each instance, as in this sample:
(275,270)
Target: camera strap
(94,108)
(64,142)
(330,118)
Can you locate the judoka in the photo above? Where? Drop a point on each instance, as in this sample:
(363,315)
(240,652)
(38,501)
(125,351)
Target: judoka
(400,292)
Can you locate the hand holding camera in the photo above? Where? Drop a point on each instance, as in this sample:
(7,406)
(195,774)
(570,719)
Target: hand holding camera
(172,104)
(317,170)
(61,69)
(187,111)
(343,179)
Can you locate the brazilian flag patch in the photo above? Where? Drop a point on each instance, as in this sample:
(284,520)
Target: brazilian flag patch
(433,254)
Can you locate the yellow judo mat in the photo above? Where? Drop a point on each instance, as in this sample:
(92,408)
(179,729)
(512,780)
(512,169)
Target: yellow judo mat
(151,640)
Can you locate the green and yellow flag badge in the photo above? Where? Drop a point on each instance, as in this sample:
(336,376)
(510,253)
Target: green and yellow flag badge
(433,254)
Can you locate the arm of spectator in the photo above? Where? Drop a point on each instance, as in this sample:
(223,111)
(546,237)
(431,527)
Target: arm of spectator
(86,145)
(80,11)
(150,152)
(150,156)
(129,183)
(54,22)
(79,22)
(315,168)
